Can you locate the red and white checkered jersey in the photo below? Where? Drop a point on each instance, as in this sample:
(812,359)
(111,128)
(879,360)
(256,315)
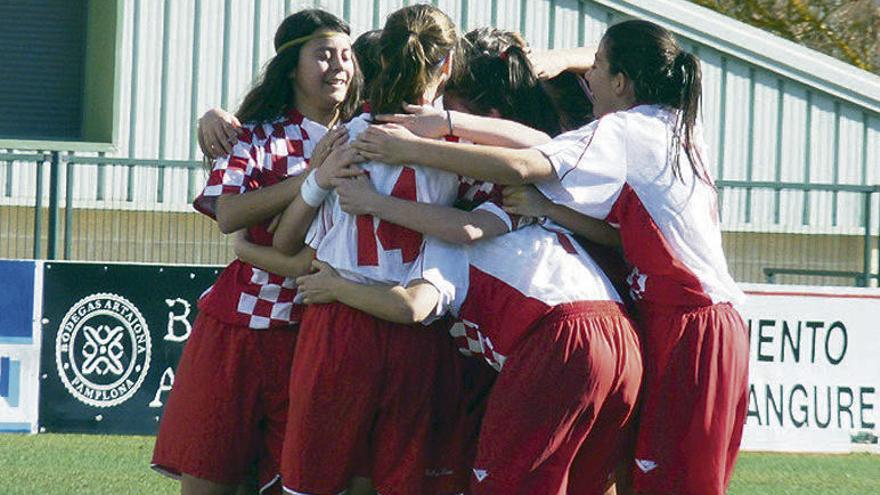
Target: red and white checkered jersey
(476,195)
(619,168)
(501,287)
(365,248)
(266,154)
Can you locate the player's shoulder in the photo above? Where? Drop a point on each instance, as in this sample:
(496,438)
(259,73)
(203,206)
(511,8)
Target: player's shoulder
(616,121)
(612,127)
(257,133)
(646,116)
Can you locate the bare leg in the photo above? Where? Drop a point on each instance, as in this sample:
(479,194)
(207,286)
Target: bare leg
(190,485)
(623,480)
(247,489)
(361,486)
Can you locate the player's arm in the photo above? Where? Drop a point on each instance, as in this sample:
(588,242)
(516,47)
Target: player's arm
(550,63)
(340,162)
(528,201)
(494,131)
(292,226)
(237,211)
(270,260)
(428,122)
(358,197)
(588,227)
(392,303)
(393,143)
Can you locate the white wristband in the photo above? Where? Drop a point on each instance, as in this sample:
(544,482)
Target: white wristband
(311,192)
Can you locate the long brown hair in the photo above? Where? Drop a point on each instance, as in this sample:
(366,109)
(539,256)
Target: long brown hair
(273,94)
(366,50)
(498,76)
(415,43)
(662,73)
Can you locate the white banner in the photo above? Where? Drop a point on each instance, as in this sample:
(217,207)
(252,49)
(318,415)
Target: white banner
(21,295)
(19,371)
(814,369)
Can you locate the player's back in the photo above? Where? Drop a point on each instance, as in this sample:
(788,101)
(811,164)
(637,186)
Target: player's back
(518,278)
(622,168)
(669,221)
(365,248)
(500,288)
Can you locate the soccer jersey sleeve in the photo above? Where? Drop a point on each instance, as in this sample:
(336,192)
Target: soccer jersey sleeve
(508,219)
(229,175)
(321,223)
(445,266)
(590,165)
(513,222)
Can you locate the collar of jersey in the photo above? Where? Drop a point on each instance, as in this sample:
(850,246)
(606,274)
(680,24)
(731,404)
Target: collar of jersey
(294,116)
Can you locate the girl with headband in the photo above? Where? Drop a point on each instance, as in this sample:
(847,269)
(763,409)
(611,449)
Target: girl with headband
(218,129)
(362,389)
(226,414)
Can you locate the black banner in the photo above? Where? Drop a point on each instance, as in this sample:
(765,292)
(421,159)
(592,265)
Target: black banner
(112,336)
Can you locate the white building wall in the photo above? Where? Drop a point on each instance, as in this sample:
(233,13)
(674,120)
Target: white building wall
(180,57)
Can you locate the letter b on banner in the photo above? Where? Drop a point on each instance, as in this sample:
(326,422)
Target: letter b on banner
(178,319)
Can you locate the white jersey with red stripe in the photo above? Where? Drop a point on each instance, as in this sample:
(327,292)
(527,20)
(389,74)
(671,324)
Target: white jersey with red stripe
(619,168)
(265,154)
(364,248)
(499,288)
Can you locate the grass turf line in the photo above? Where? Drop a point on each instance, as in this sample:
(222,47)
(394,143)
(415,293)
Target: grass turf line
(79,464)
(100,464)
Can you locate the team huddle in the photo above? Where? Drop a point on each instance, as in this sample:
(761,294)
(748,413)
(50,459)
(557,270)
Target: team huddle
(463,267)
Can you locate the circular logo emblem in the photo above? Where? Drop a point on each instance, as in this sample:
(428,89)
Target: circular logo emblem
(102,350)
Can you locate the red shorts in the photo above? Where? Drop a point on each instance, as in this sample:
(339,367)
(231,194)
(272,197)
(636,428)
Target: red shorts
(566,393)
(694,399)
(226,413)
(362,396)
(460,406)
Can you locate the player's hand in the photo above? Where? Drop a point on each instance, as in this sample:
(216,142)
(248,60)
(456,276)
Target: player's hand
(218,132)
(548,64)
(422,120)
(388,143)
(358,196)
(525,201)
(334,138)
(340,164)
(240,242)
(318,287)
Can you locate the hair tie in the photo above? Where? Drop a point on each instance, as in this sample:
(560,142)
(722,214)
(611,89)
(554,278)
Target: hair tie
(506,53)
(307,38)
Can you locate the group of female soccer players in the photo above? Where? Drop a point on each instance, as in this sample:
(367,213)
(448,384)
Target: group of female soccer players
(424,301)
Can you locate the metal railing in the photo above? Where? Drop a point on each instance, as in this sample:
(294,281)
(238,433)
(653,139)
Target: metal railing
(105,215)
(58,205)
(796,233)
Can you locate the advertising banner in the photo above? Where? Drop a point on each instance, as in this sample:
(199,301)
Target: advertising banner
(19,347)
(112,336)
(814,369)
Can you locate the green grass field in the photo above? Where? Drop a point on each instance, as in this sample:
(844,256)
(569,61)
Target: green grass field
(84,464)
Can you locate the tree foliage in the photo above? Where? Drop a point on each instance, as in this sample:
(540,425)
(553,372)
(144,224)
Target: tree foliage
(846,29)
